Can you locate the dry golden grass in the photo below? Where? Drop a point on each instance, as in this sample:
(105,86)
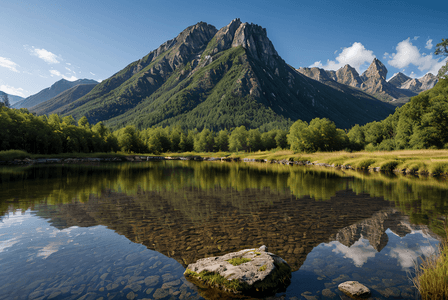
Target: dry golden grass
(431,278)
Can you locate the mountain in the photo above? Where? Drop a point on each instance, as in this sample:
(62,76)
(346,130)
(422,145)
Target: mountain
(416,85)
(66,97)
(373,81)
(48,93)
(219,79)
(398,79)
(12,98)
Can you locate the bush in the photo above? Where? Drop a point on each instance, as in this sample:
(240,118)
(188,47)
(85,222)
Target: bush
(9,155)
(389,165)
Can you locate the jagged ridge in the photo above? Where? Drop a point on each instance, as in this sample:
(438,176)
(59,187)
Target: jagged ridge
(219,79)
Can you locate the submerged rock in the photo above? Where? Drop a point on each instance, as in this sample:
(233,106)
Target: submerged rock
(248,272)
(354,289)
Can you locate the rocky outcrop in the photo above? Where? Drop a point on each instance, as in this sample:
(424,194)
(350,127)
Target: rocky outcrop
(398,79)
(251,37)
(428,81)
(317,74)
(349,76)
(376,71)
(396,90)
(249,271)
(354,289)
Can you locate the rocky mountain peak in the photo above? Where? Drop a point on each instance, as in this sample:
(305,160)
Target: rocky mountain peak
(315,73)
(349,76)
(197,35)
(398,79)
(254,39)
(376,70)
(251,37)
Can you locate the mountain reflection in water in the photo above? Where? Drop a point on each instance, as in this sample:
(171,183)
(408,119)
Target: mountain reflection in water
(191,210)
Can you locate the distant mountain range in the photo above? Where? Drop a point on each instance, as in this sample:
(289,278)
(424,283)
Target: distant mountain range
(12,98)
(209,78)
(48,93)
(395,91)
(416,85)
(54,104)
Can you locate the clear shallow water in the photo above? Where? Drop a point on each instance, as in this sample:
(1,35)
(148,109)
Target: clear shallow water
(128,231)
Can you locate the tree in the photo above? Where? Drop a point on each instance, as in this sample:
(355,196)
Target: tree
(442,49)
(222,140)
(238,139)
(83,122)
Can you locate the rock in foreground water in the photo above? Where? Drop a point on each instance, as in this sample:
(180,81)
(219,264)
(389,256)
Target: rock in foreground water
(354,289)
(249,271)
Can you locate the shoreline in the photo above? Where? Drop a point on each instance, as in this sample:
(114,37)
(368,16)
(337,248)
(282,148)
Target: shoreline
(142,158)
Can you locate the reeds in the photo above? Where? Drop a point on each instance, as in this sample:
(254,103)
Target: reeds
(431,278)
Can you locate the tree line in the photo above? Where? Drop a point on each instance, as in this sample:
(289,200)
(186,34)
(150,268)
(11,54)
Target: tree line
(419,124)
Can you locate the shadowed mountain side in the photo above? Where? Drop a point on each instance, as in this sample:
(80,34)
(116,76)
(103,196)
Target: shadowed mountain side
(55,104)
(212,223)
(206,78)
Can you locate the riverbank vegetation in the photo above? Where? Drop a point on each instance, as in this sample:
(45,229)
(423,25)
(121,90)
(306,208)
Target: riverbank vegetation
(420,124)
(431,278)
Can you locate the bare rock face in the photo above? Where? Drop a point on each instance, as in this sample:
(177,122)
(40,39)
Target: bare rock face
(315,73)
(398,79)
(248,272)
(428,81)
(376,70)
(349,76)
(354,289)
(416,85)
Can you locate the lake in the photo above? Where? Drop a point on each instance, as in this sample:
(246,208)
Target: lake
(128,230)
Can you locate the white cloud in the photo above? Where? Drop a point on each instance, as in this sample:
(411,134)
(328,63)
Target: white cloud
(12,90)
(43,54)
(429,44)
(356,56)
(416,38)
(9,64)
(413,75)
(359,252)
(92,73)
(55,73)
(59,74)
(408,54)
(69,64)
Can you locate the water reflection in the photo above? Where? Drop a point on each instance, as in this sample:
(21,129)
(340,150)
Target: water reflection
(328,225)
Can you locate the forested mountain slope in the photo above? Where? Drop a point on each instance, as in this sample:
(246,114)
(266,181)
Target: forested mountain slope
(206,78)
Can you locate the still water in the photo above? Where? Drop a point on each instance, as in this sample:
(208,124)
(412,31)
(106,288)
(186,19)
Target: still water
(128,231)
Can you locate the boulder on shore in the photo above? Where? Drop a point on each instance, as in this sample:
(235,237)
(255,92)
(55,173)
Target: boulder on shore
(247,272)
(354,289)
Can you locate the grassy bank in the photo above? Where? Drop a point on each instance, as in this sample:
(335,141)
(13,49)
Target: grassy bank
(423,161)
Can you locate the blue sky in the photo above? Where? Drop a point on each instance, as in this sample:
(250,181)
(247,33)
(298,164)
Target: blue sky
(45,41)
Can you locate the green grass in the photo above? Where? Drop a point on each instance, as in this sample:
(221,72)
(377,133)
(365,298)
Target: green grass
(432,275)
(10,155)
(263,268)
(214,279)
(236,261)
